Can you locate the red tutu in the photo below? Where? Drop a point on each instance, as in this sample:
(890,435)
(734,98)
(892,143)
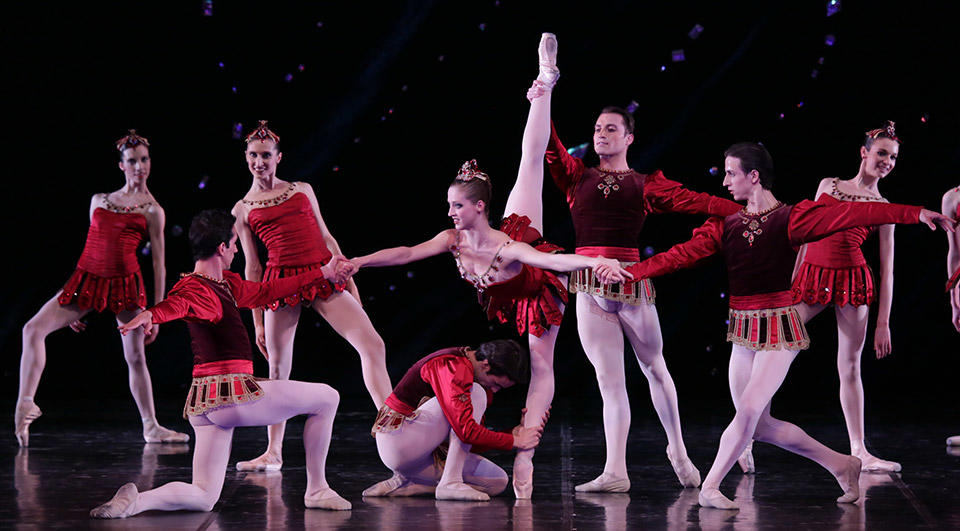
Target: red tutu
(824,285)
(316,290)
(531,300)
(91,292)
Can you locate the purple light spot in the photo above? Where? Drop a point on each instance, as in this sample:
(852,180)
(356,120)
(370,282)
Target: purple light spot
(441,58)
(356,140)
(830,39)
(301,68)
(203,182)
(814,73)
(383,118)
(709,348)
(648,251)
(833,7)
(237,130)
(233,89)
(781,116)
(409,274)
(403,88)
(714,170)
(695,32)
(146,250)
(727,322)
(208,8)
(800,105)
(820,60)
(663,68)
(677,56)
(482,26)
(391,287)
(632,107)
(723,295)
(176,230)
(319,24)
(220,64)
(288,78)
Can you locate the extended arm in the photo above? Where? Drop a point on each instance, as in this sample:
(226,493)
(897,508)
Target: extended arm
(665,196)
(156,220)
(189,299)
(707,241)
(521,252)
(404,255)
(565,169)
(822,189)
(811,221)
(252,294)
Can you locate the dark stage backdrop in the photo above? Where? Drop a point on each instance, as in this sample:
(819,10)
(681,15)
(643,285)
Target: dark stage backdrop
(378,104)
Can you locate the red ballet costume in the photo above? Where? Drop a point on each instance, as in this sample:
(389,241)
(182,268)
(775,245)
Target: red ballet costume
(609,208)
(448,375)
(289,230)
(222,357)
(760,250)
(108,276)
(834,270)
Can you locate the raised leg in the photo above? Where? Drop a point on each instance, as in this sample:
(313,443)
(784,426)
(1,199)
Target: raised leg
(642,326)
(602,340)
(33,359)
(851,336)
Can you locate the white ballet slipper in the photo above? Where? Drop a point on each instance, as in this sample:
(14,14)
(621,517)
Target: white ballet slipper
(714,499)
(685,470)
(460,491)
(851,476)
(155,433)
(265,463)
(326,499)
(746,460)
(605,483)
(120,506)
(522,477)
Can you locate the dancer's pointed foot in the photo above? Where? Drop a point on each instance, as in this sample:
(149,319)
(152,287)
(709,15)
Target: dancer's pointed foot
(26,413)
(328,499)
(155,433)
(715,499)
(523,476)
(746,460)
(549,73)
(605,483)
(397,486)
(120,506)
(268,462)
(874,464)
(460,491)
(684,468)
(849,480)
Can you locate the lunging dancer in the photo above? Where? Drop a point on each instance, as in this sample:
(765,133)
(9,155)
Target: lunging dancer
(443,397)
(759,244)
(224,393)
(512,268)
(285,216)
(107,278)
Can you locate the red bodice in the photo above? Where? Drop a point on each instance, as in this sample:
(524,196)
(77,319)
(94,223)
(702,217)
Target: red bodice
(290,232)
(112,241)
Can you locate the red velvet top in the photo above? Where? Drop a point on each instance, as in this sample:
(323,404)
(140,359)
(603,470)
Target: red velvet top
(609,209)
(448,375)
(112,241)
(218,338)
(760,272)
(290,233)
(841,249)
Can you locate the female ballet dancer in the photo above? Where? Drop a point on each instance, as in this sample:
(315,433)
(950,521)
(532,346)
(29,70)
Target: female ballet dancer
(107,278)
(285,216)
(759,244)
(951,207)
(224,394)
(512,268)
(833,271)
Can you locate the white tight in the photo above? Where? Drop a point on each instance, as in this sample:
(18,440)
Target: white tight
(214,433)
(601,324)
(755,376)
(408,451)
(851,336)
(348,319)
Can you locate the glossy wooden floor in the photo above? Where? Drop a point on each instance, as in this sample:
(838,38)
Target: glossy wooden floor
(75,463)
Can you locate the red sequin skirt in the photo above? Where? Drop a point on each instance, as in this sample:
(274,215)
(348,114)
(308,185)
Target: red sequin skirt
(91,292)
(826,285)
(316,290)
(769,329)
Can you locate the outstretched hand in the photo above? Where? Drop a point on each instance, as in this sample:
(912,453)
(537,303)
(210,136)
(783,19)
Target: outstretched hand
(932,219)
(338,269)
(609,271)
(141,320)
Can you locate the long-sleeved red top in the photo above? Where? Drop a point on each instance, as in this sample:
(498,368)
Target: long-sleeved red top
(760,262)
(609,208)
(448,375)
(218,338)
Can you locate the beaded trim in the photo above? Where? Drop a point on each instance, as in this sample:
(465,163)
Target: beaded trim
(844,196)
(755,220)
(208,393)
(273,201)
(113,207)
(389,420)
(484,279)
(769,329)
(610,180)
(220,282)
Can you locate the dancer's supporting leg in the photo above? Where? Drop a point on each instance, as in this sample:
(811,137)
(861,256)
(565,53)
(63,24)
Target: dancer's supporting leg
(51,317)
(214,433)
(851,335)
(141,386)
(348,319)
(642,326)
(752,420)
(526,200)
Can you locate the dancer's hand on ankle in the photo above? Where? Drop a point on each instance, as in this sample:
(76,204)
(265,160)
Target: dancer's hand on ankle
(526,438)
(881,341)
(535,91)
(141,320)
(932,219)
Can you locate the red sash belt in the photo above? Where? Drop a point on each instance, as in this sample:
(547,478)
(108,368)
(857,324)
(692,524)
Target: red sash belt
(398,406)
(761,301)
(214,368)
(624,254)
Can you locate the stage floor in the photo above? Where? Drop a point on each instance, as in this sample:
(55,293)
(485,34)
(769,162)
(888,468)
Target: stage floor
(74,465)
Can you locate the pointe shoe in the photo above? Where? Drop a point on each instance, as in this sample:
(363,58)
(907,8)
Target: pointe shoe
(26,413)
(461,492)
(746,460)
(605,483)
(851,493)
(713,498)
(874,465)
(157,434)
(523,477)
(549,73)
(119,506)
(326,499)
(265,463)
(685,470)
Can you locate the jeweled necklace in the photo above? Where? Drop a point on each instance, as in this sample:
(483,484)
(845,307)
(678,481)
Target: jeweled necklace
(610,180)
(482,280)
(844,196)
(755,220)
(273,201)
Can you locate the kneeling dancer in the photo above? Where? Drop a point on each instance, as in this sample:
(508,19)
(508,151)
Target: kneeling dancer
(455,385)
(224,393)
